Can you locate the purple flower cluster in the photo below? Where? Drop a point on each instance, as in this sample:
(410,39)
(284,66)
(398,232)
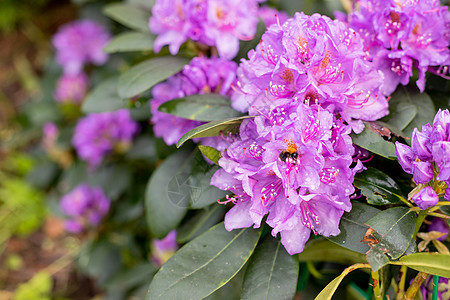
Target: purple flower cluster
(220,23)
(202,75)
(71,88)
(311,59)
(443,289)
(98,134)
(428,160)
(400,35)
(85,206)
(294,165)
(163,249)
(78,43)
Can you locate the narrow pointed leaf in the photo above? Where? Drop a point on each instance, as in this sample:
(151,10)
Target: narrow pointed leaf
(163,209)
(379,188)
(128,15)
(146,74)
(328,292)
(431,263)
(271,273)
(204,265)
(130,41)
(213,128)
(202,107)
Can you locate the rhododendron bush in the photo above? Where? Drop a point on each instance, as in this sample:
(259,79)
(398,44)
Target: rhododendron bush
(254,149)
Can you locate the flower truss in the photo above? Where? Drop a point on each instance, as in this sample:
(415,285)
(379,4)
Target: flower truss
(400,35)
(311,59)
(294,166)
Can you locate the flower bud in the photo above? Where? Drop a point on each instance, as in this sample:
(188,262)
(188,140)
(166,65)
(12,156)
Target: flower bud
(420,144)
(422,171)
(426,198)
(405,156)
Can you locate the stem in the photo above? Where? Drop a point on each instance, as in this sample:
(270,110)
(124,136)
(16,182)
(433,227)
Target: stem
(415,286)
(376,285)
(401,285)
(313,271)
(406,202)
(443,203)
(442,216)
(435,287)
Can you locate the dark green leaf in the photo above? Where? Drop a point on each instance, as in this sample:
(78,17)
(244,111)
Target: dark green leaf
(440,99)
(204,264)
(231,290)
(163,209)
(143,148)
(202,107)
(113,179)
(202,193)
(353,228)
(130,41)
(372,141)
(42,175)
(213,128)
(401,114)
(271,273)
(431,263)
(146,74)
(130,278)
(200,223)
(211,153)
(411,96)
(103,98)
(395,229)
(379,188)
(99,259)
(324,250)
(128,15)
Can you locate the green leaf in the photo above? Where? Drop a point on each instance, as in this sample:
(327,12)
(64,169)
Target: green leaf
(202,107)
(431,263)
(379,188)
(128,15)
(372,141)
(353,227)
(146,74)
(211,153)
(401,114)
(130,278)
(113,179)
(204,264)
(330,289)
(395,227)
(271,273)
(202,193)
(411,96)
(130,41)
(99,259)
(213,128)
(200,223)
(103,98)
(325,250)
(38,287)
(164,210)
